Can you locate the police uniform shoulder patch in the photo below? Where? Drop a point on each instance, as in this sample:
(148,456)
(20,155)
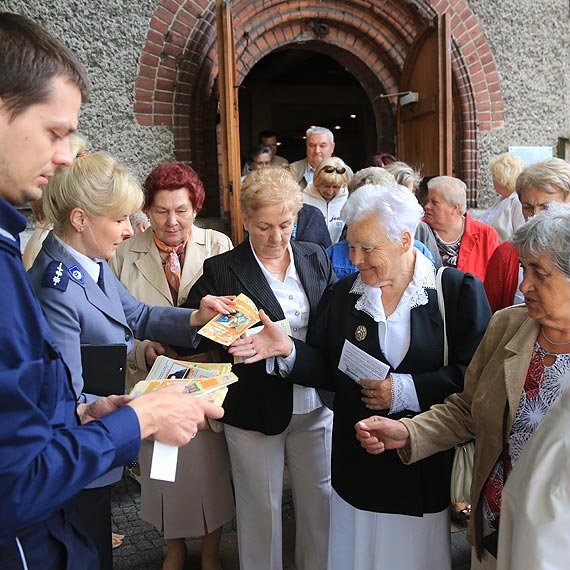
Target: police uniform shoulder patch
(76,274)
(56,276)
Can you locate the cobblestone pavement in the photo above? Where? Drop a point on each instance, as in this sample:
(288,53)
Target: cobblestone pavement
(143,546)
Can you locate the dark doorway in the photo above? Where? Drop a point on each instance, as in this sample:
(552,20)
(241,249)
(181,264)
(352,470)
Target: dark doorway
(290,90)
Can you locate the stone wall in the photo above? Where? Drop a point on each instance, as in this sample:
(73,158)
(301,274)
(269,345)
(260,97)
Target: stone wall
(531,44)
(528,40)
(108,36)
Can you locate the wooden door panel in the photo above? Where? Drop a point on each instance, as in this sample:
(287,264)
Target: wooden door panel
(424,128)
(229,117)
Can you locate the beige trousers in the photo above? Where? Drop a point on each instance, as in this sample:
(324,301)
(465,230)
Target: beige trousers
(257,466)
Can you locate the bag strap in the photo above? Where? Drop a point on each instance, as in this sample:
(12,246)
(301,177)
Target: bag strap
(441,304)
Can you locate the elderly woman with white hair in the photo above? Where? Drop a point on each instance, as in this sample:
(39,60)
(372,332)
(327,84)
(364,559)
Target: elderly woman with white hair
(463,242)
(384,514)
(519,372)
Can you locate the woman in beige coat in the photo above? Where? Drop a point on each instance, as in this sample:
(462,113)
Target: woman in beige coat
(522,366)
(159,267)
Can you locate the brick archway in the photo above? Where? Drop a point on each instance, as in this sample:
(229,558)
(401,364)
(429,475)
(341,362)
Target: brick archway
(176,85)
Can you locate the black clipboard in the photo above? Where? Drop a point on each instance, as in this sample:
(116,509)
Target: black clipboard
(104,367)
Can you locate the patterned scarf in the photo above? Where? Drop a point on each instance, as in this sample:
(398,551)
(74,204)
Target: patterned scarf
(449,251)
(172,266)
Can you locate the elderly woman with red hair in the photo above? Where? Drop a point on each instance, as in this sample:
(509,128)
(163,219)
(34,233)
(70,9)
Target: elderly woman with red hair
(159,267)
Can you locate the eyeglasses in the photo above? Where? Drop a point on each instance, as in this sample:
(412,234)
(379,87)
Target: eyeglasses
(330,169)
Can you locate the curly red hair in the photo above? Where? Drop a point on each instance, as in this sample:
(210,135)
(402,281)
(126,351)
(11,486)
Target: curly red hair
(172,176)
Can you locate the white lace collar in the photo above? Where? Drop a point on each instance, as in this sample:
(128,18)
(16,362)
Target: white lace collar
(370,300)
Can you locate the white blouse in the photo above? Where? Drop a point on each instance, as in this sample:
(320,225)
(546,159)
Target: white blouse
(295,304)
(394,332)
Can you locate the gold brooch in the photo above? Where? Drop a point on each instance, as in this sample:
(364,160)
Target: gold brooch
(360,333)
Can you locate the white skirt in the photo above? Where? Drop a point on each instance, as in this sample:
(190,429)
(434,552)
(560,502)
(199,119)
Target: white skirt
(363,540)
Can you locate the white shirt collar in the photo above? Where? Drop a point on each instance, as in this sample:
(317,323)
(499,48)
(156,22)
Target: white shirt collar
(370,300)
(291,269)
(309,173)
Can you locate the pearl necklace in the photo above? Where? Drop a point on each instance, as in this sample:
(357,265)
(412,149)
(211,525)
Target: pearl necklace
(563,343)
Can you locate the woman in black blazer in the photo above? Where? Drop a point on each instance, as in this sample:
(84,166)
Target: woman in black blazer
(269,420)
(385,514)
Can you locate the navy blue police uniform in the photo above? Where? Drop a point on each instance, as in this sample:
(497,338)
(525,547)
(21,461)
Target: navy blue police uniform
(46,456)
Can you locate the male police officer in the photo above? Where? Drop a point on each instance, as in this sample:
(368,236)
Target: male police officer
(50,447)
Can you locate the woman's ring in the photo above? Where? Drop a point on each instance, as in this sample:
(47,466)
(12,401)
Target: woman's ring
(254,353)
(193,436)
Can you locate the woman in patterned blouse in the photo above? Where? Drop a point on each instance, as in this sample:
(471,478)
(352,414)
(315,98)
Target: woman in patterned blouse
(520,369)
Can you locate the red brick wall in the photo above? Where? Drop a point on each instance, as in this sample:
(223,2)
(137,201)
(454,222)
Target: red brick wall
(176,85)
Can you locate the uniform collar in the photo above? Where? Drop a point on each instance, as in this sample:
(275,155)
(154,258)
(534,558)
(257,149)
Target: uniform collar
(90,266)
(11,222)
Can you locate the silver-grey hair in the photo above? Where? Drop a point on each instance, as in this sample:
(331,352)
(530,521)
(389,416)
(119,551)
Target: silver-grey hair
(404,174)
(547,233)
(370,175)
(139,217)
(454,191)
(320,131)
(396,208)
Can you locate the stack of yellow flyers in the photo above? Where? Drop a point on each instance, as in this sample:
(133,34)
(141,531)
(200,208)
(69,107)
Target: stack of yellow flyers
(200,379)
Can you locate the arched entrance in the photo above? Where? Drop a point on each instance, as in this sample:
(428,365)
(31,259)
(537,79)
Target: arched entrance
(294,88)
(371,39)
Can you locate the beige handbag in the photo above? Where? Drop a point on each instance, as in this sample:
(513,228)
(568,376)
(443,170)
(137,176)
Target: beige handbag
(462,473)
(462,470)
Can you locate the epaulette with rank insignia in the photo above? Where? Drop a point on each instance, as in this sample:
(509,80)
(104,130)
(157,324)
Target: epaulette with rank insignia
(56,276)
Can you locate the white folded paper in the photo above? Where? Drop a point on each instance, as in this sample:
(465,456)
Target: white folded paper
(359,365)
(164,460)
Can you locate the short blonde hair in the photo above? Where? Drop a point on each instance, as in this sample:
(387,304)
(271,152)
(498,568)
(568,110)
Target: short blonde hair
(95,182)
(453,190)
(505,169)
(268,187)
(551,176)
(334,178)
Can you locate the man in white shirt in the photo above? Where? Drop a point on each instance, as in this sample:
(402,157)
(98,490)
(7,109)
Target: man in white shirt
(320,145)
